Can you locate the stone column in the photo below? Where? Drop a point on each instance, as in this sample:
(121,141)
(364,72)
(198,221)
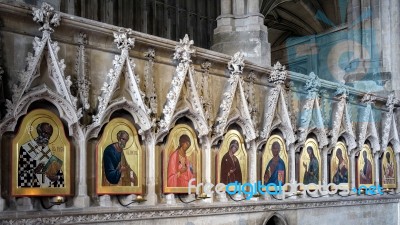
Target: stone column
(244,31)
(206,156)
(325,178)
(252,161)
(376,161)
(395,44)
(397,172)
(2,201)
(151,195)
(226,7)
(292,164)
(81,200)
(353,169)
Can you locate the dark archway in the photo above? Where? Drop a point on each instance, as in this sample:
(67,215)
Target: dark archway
(276,220)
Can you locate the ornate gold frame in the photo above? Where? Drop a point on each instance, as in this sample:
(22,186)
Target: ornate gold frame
(58,145)
(384,164)
(241,154)
(133,150)
(334,163)
(267,156)
(360,164)
(192,152)
(305,158)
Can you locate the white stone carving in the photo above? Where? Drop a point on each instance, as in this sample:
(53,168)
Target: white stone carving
(341,119)
(367,125)
(47,17)
(250,97)
(23,93)
(150,97)
(278,75)
(129,98)
(389,126)
(205,93)
(234,88)
(81,71)
(184,50)
(190,104)
(311,119)
(276,113)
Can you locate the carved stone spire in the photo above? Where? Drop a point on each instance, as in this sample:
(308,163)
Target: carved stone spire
(81,71)
(342,92)
(205,92)
(150,97)
(368,98)
(312,84)
(278,75)
(183,50)
(46,17)
(236,64)
(391,101)
(123,40)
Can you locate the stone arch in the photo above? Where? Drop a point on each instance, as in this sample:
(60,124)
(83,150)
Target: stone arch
(275,219)
(139,116)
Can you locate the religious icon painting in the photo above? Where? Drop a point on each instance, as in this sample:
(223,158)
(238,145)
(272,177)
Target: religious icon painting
(181,160)
(310,163)
(339,169)
(365,167)
(41,152)
(119,158)
(274,162)
(388,169)
(231,161)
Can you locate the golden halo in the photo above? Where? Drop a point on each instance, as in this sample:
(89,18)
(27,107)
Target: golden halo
(181,132)
(32,128)
(123,126)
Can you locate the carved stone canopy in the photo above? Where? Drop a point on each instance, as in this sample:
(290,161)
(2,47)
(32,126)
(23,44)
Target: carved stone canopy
(341,120)
(36,83)
(184,73)
(234,90)
(128,96)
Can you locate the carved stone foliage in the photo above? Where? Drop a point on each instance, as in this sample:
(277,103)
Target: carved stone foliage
(184,74)
(81,71)
(24,92)
(150,97)
(234,90)
(367,124)
(341,119)
(389,126)
(205,93)
(47,17)
(278,75)
(251,98)
(276,114)
(129,95)
(311,119)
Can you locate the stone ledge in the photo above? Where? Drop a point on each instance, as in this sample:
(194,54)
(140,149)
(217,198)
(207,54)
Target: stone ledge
(99,214)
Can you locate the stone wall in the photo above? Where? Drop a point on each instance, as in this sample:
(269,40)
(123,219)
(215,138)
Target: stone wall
(270,101)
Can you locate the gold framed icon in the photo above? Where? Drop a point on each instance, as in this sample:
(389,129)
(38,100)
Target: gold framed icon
(365,167)
(310,163)
(231,160)
(41,157)
(120,159)
(389,169)
(339,168)
(181,160)
(274,162)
